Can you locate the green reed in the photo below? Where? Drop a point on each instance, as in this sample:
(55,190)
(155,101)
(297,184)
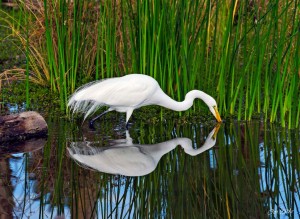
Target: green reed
(27,60)
(243,53)
(56,17)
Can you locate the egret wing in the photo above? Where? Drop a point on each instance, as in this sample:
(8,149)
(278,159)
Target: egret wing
(121,92)
(124,92)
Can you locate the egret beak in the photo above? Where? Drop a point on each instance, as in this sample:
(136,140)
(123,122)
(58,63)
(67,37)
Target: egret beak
(216,129)
(218,117)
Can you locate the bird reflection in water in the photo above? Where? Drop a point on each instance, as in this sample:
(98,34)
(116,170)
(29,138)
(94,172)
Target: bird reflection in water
(129,159)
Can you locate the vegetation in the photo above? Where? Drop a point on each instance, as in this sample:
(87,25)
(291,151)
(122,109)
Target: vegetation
(244,53)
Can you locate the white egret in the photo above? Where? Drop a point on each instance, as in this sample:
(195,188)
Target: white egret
(129,159)
(127,93)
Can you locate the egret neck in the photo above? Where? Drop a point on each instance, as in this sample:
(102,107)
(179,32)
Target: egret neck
(168,102)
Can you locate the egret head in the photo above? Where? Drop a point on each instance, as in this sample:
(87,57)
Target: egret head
(215,112)
(212,105)
(208,100)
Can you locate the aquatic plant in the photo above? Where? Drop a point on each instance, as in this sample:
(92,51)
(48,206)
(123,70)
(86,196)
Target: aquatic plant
(245,53)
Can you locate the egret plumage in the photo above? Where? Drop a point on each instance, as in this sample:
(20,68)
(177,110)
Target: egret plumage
(130,92)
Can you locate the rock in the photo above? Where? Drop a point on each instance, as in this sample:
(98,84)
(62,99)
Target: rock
(18,127)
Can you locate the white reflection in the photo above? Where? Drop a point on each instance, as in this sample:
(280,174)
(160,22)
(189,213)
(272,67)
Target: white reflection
(128,159)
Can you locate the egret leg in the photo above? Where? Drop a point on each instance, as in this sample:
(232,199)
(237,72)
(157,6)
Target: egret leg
(97,117)
(128,115)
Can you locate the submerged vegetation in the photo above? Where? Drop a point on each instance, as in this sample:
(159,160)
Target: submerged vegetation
(244,53)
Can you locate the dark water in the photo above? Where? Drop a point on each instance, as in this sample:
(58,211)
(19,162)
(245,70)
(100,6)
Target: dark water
(237,170)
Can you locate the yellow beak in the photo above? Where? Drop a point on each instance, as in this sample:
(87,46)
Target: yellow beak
(218,117)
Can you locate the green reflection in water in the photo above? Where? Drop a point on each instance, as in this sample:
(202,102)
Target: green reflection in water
(252,171)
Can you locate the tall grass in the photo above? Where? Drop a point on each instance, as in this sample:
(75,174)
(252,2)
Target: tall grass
(27,60)
(244,53)
(241,52)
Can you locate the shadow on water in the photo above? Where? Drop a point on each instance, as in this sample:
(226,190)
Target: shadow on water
(241,170)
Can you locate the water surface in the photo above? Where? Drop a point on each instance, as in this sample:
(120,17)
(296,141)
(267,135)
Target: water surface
(239,170)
